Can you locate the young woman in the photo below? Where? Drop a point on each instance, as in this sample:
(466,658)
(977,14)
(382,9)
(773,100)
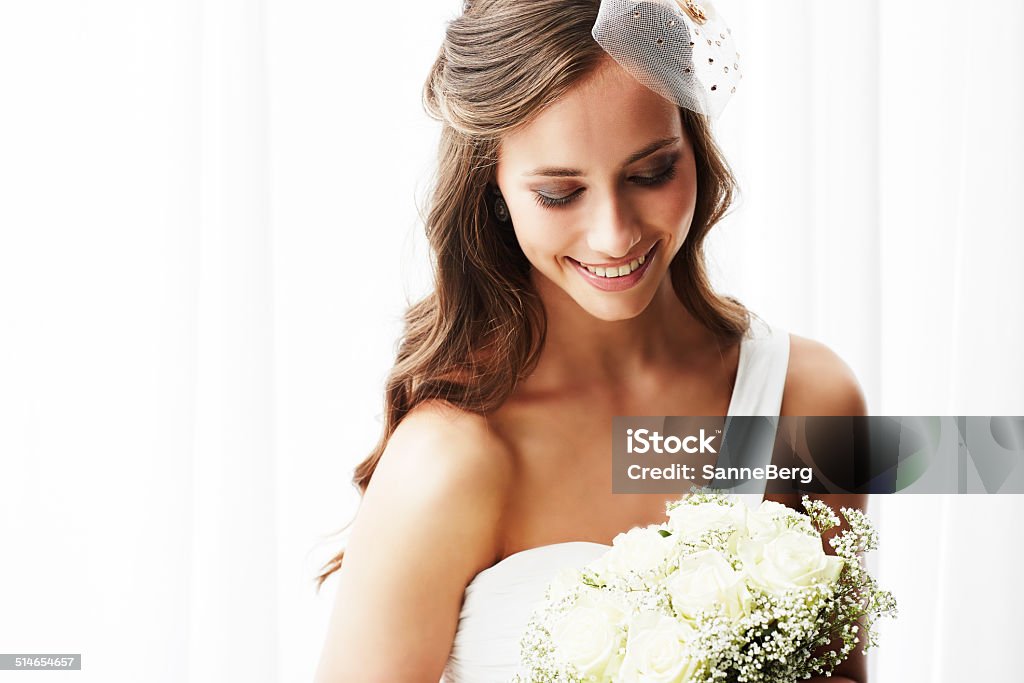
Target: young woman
(567,224)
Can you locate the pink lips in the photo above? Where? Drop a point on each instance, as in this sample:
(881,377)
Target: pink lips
(616,284)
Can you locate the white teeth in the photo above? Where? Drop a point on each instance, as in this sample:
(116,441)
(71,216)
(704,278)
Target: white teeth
(624,269)
(617,271)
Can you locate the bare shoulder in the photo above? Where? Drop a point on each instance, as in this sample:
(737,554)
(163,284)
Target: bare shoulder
(429,521)
(451,462)
(819,382)
(440,443)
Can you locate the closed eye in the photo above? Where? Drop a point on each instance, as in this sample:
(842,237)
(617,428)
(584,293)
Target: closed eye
(644,181)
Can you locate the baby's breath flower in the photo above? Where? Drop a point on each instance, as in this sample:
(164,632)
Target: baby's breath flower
(769,636)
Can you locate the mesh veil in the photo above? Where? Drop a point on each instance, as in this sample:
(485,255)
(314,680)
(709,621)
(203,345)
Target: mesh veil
(681,50)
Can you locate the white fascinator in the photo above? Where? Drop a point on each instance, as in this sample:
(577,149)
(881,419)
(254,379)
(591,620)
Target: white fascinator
(680,49)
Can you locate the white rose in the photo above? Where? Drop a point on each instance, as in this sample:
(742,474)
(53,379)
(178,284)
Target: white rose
(690,522)
(658,651)
(704,580)
(771,519)
(793,559)
(640,550)
(588,636)
(565,580)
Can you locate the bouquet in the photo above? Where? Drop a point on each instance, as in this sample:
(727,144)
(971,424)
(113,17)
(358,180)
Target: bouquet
(718,592)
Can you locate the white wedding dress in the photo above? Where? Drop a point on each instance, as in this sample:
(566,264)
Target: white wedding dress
(499,600)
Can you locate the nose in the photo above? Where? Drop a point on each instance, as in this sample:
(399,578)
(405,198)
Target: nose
(614,228)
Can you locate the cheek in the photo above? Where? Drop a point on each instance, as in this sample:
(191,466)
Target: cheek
(541,235)
(681,199)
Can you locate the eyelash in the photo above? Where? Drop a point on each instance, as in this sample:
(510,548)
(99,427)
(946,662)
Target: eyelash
(653,181)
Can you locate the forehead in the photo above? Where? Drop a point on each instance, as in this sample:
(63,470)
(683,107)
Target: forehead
(599,122)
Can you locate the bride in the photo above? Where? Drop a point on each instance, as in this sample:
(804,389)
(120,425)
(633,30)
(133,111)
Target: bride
(567,226)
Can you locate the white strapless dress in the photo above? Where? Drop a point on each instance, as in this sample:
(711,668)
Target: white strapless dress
(497,603)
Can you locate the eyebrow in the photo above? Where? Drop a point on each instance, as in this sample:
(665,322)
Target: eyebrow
(574,172)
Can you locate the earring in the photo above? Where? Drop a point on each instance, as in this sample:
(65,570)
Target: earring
(501,209)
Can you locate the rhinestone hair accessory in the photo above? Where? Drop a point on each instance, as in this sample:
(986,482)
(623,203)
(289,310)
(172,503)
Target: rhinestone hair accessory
(680,49)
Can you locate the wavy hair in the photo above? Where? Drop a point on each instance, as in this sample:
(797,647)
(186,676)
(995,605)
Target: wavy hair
(482,327)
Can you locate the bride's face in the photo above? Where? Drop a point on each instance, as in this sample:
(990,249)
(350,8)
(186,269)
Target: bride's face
(599,181)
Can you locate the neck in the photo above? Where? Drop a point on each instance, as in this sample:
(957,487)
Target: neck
(584,353)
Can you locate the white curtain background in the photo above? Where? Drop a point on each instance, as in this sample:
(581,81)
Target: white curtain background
(209,233)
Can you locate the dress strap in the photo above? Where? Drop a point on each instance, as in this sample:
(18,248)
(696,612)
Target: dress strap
(761,377)
(760,380)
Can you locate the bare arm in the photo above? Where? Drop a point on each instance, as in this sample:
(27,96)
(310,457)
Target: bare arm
(854,668)
(427,524)
(818,382)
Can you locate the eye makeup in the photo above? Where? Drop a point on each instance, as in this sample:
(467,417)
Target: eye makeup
(667,173)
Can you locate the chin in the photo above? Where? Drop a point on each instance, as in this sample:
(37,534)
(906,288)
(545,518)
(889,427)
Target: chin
(609,310)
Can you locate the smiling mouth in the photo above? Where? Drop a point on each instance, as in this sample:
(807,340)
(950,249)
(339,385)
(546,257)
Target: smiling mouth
(617,270)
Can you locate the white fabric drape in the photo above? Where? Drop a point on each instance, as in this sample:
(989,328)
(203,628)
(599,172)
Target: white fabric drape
(140,515)
(208,233)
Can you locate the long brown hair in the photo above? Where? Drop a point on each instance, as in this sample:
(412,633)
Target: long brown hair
(482,328)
